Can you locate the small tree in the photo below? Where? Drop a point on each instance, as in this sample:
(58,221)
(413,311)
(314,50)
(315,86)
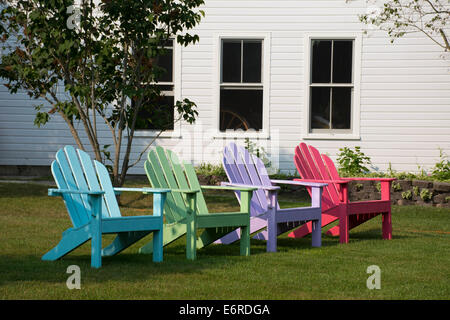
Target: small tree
(95,63)
(400,17)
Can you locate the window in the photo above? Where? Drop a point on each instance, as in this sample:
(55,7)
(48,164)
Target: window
(331,86)
(241,84)
(157,113)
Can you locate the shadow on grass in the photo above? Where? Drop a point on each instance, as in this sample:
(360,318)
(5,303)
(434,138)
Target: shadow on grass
(125,266)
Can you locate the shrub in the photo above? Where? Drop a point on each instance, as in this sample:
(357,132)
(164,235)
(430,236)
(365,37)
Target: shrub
(407,195)
(258,151)
(441,170)
(396,186)
(352,163)
(208,169)
(426,195)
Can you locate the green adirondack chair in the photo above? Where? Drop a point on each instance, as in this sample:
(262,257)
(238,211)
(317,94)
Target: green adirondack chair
(89,196)
(185,209)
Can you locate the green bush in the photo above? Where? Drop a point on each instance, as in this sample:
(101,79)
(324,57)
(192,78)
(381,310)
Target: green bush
(352,162)
(441,170)
(208,169)
(407,195)
(426,195)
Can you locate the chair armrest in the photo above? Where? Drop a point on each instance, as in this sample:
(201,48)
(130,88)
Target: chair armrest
(187,191)
(143,190)
(370,179)
(243,188)
(340,181)
(300,183)
(237,185)
(60,192)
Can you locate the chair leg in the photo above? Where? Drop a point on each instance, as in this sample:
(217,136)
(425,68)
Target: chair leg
(387,225)
(245,241)
(157,246)
(96,247)
(272,231)
(343,227)
(316,235)
(191,239)
(71,240)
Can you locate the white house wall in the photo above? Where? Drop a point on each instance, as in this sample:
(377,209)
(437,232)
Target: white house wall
(404,91)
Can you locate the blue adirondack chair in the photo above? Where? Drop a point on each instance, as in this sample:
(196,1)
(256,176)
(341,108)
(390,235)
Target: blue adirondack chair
(89,196)
(244,169)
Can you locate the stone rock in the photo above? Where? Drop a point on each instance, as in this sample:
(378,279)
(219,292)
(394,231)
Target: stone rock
(404,202)
(440,198)
(441,186)
(422,184)
(404,184)
(420,202)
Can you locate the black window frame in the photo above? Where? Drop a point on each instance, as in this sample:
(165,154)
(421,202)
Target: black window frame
(339,87)
(167,89)
(243,88)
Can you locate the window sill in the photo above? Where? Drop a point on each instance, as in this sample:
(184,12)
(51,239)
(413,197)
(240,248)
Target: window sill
(153,134)
(241,135)
(330,136)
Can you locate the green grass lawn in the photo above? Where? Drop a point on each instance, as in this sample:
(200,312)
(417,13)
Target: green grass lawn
(415,264)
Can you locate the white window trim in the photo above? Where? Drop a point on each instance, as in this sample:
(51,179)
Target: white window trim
(356,107)
(176,132)
(261,134)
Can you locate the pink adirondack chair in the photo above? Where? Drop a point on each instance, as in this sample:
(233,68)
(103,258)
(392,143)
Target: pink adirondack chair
(315,167)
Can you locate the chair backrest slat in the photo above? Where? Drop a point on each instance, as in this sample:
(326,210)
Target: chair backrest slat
(169,177)
(170,218)
(194,184)
(249,171)
(79,215)
(82,214)
(321,166)
(180,173)
(261,171)
(230,167)
(308,169)
(68,200)
(77,173)
(107,187)
(331,167)
(165,170)
(91,178)
(302,165)
(73,169)
(240,168)
(155,174)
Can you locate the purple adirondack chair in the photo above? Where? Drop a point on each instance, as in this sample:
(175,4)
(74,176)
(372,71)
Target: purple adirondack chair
(244,169)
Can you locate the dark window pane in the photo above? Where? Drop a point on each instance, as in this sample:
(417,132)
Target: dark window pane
(231,61)
(342,106)
(252,61)
(320,108)
(156,113)
(321,61)
(241,109)
(166,87)
(342,61)
(165,61)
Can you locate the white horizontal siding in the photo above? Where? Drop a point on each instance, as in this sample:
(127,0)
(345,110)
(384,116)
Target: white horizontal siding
(405,91)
